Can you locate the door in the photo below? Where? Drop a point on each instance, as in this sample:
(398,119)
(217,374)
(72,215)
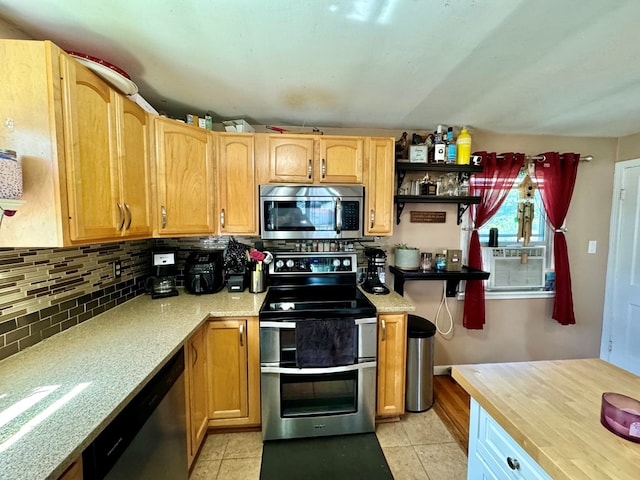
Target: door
(185,204)
(621,323)
(291,159)
(134,168)
(196,374)
(392,333)
(236,184)
(341,160)
(379,186)
(91,151)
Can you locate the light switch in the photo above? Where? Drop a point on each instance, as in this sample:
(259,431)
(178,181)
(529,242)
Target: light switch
(592,246)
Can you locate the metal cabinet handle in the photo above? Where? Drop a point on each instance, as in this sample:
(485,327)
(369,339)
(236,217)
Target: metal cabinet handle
(323,168)
(222,218)
(128,212)
(163,213)
(241,329)
(310,169)
(513,463)
(338,215)
(372,218)
(122,216)
(384,330)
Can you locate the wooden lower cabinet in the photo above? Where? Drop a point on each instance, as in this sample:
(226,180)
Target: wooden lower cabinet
(233,371)
(392,357)
(195,355)
(74,472)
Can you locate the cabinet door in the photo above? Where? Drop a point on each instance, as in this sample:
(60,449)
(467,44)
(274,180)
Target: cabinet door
(134,169)
(379,186)
(184,181)
(90,147)
(291,158)
(392,332)
(196,377)
(228,379)
(236,184)
(341,160)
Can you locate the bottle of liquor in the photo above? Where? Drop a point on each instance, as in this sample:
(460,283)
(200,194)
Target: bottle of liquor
(451,146)
(439,146)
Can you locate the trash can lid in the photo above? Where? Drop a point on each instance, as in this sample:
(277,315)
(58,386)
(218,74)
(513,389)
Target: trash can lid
(419,327)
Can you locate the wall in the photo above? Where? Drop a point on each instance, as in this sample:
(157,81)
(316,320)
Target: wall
(522,330)
(629,148)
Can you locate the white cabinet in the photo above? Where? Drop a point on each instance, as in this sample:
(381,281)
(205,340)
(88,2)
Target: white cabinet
(493,454)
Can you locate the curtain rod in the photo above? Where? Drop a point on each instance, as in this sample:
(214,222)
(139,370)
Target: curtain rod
(541,158)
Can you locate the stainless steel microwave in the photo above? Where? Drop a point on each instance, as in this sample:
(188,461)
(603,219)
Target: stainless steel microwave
(311,211)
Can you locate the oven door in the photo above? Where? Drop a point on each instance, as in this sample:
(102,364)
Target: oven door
(315,401)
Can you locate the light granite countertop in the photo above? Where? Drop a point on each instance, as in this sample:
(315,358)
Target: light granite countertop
(58,395)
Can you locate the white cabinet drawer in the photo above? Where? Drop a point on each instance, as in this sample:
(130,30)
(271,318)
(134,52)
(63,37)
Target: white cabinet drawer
(491,448)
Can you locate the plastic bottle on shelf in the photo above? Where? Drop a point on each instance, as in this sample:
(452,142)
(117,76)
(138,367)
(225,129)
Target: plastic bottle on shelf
(451,146)
(463,144)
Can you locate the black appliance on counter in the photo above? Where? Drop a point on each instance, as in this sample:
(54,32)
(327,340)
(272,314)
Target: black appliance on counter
(318,348)
(204,272)
(376,265)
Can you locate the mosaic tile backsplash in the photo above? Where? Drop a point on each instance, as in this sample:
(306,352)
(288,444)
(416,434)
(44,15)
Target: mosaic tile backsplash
(44,291)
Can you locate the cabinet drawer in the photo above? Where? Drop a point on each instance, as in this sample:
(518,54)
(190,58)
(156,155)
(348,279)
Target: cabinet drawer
(494,447)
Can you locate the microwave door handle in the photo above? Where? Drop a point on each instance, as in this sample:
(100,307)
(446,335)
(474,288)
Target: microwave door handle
(338,215)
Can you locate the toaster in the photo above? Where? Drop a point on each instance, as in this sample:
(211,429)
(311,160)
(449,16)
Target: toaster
(204,272)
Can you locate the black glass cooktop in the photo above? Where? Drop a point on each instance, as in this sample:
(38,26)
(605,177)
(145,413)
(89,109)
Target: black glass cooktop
(316,301)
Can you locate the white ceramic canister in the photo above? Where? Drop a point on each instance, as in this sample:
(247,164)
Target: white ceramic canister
(10,175)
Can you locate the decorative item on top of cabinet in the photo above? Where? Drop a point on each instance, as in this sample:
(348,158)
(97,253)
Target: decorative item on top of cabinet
(184,180)
(462,172)
(233,369)
(196,390)
(236,185)
(106,143)
(314,159)
(379,183)
(392,353)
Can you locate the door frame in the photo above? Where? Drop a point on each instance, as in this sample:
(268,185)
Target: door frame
(614,238)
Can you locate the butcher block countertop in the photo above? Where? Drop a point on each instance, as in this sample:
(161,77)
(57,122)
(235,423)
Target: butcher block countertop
(552,410)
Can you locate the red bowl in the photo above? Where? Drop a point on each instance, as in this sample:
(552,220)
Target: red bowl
(621,415)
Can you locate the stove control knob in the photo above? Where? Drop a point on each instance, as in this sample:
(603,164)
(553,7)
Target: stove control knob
(336,262)
(346,262)
(289,263)
(279,264)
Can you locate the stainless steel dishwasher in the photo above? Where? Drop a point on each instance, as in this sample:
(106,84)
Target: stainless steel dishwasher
(148,439)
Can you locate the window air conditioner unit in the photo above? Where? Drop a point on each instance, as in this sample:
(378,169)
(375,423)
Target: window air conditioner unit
(514,267)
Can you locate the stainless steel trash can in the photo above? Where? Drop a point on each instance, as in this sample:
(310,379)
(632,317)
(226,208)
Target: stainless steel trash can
(419,384)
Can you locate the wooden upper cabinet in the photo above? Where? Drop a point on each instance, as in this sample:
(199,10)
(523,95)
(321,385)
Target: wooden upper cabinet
(314,159)
(135,177)
(236,185)
(89,108)
(184,179)
(379,186)
(341,159)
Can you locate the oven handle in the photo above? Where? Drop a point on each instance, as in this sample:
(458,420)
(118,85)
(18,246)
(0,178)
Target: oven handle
(271,324)
(318,370)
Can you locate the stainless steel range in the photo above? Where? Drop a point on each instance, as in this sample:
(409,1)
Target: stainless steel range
(317,348)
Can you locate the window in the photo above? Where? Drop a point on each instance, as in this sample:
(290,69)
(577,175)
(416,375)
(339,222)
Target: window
(514,277)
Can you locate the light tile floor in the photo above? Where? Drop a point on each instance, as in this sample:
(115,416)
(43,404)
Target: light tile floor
(419,447)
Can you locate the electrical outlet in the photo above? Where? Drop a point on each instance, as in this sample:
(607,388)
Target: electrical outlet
(592,246)
(117,269)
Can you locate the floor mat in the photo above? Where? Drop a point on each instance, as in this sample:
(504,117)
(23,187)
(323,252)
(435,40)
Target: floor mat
(344,457)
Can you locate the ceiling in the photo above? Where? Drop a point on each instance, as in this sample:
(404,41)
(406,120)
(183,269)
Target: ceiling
(563,67)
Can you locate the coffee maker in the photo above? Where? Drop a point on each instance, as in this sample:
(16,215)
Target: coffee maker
(374,281)
(162,282)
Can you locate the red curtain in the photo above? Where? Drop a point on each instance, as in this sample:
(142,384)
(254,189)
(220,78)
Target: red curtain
(556,177)
(493,185)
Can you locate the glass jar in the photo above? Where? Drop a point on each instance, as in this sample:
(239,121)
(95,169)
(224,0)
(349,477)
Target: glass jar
(441,262)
